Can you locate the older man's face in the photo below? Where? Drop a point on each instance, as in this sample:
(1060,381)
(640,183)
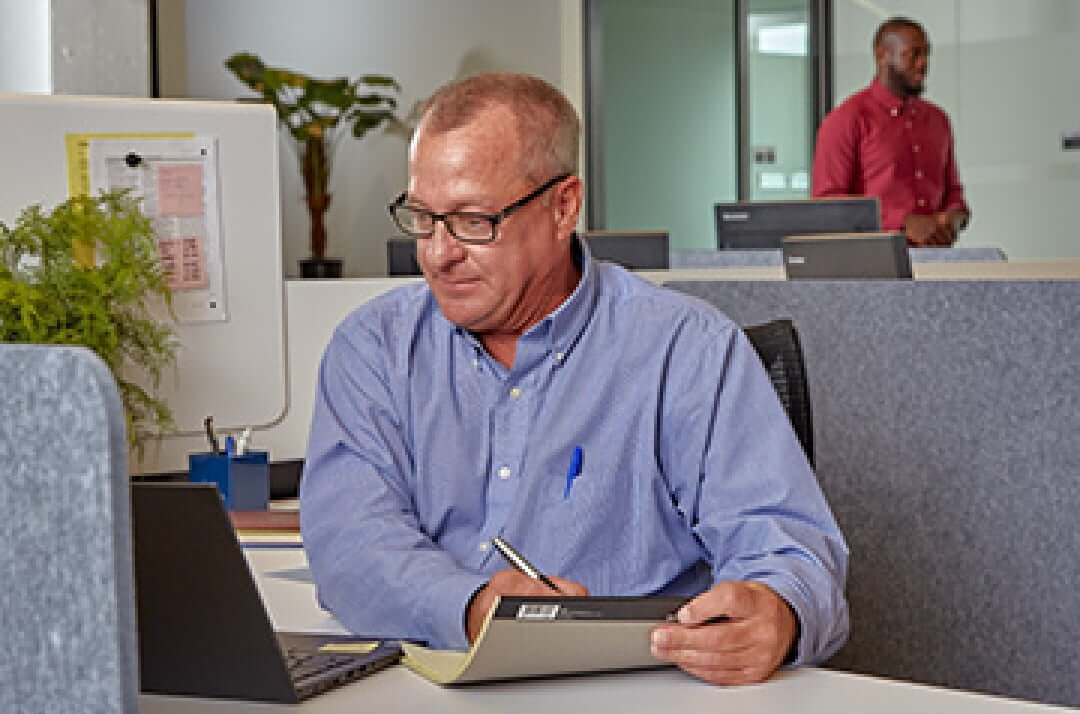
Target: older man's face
(495,287)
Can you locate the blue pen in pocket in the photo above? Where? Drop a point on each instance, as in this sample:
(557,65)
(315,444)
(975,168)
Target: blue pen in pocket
(573,470)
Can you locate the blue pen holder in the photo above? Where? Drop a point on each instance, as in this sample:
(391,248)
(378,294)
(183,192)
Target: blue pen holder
(244,481)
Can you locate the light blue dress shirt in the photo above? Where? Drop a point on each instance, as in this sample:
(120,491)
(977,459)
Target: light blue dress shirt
(423,448)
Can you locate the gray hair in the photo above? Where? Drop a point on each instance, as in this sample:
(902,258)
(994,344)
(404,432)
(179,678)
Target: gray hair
(548,125)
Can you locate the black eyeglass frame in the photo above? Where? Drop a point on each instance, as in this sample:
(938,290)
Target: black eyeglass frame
(493,218)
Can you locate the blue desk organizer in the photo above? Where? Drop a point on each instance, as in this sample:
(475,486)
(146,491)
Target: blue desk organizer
(244,481)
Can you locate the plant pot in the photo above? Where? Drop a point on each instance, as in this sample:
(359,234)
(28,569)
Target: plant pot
(320,267)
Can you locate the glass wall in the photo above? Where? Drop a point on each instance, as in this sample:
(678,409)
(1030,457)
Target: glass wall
(662,87)
(695,102)
(780,99)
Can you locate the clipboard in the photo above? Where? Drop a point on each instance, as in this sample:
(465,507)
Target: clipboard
(526,637)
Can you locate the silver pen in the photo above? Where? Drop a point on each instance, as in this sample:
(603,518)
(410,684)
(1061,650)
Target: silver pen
(518,561)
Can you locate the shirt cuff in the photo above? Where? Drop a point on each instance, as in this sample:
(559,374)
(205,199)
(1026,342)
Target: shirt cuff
(442,607)
(802,650)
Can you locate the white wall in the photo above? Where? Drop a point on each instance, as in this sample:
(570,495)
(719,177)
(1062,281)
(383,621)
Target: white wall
(421,43)
(1005,73)
(24,46)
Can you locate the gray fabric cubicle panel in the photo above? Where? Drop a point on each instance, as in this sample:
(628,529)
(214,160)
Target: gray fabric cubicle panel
(946,434)
(66,602)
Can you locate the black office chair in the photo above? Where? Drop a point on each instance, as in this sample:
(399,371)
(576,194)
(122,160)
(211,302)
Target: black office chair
(777,344)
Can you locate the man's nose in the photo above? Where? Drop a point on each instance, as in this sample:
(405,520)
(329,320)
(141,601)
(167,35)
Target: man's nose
(443,248)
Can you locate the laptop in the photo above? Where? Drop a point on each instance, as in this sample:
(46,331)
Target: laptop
(633,250)
(203,629)
(847,255)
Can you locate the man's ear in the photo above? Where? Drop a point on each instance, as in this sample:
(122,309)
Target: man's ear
(567,205)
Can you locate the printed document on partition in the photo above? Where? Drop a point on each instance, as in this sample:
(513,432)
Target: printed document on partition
(177,180)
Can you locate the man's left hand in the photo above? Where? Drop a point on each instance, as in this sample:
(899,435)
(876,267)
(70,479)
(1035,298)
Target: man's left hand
(747,648)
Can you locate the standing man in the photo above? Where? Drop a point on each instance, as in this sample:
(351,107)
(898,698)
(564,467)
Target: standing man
(623,437)
(887,142)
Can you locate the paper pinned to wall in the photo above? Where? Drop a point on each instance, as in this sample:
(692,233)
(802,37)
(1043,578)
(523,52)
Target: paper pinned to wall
(177,180)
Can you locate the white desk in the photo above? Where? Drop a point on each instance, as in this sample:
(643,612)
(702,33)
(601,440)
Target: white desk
(807,691)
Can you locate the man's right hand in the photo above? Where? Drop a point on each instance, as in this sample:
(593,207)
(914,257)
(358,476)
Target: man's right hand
(925,230)
(512,582)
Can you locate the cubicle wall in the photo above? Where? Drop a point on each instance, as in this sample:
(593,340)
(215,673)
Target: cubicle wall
(946,435)
(230,331)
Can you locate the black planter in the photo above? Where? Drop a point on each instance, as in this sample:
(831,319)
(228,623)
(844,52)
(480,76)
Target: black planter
(320,267)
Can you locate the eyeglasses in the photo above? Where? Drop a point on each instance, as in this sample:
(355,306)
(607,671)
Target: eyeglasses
(470,227)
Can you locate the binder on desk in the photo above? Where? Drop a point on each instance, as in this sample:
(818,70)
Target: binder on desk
(541,637)
(272,528)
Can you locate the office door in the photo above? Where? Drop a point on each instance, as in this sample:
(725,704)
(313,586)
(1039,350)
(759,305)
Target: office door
(694,102)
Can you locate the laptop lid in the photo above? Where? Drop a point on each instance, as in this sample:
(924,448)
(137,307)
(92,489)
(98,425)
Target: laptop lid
(401,257)
(847,255)
(762,225)
(203,629)
(634,250)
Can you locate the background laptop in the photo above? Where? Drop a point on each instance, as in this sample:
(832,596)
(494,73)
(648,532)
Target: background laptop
(203,629)
(847,255)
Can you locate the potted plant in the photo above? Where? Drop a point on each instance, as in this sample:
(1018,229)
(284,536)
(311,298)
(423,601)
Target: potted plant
(48,295)
(313,111)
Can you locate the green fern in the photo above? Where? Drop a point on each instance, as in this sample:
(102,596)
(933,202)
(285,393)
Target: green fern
(48,297)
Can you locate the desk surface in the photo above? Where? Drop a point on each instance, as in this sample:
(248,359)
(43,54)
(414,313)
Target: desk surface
(281,579)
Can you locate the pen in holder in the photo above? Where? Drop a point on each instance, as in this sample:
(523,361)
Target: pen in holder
(243,480)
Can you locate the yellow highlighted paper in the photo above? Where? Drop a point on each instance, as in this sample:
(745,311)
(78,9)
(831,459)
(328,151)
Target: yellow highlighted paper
(348,647)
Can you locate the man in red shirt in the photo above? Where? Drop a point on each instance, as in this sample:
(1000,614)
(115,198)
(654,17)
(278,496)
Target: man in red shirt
(887,142)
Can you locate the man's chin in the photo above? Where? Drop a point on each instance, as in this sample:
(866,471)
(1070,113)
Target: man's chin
(465,315)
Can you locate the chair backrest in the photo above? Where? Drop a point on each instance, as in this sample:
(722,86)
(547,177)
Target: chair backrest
(66,602)
(777,344)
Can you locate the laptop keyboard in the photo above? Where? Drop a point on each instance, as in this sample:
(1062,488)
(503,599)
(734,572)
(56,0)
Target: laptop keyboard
(312,673)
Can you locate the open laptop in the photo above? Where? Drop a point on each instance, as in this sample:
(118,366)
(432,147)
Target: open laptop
(203,629)
(847,255)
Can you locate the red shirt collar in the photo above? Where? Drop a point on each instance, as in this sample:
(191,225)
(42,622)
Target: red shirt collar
(892,103)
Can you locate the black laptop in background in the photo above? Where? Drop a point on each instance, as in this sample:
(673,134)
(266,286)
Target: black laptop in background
(879,256)
(203,629)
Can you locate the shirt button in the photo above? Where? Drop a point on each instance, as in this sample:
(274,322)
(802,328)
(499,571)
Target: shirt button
(504,472)
(915,148)
(918,174)
(559,356)
(895,112)
(484,547)
(515,392)
(476,363)
(922,202)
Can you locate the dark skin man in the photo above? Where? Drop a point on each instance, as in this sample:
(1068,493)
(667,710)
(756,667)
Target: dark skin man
(902,57)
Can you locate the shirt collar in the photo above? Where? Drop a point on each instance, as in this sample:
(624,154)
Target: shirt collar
(892,103)
(565,323)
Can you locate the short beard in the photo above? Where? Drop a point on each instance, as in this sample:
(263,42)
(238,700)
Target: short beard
(898,81)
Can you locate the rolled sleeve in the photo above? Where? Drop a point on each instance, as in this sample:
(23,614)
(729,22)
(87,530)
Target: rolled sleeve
(759,512)
(835,170)
(954,199)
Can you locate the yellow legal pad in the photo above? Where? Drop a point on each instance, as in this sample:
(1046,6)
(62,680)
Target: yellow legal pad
(539,637)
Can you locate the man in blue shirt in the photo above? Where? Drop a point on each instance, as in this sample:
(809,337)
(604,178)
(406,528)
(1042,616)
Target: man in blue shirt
(623,437)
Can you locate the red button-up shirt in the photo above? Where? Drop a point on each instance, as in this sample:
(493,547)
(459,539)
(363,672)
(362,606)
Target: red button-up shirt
(900,150)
